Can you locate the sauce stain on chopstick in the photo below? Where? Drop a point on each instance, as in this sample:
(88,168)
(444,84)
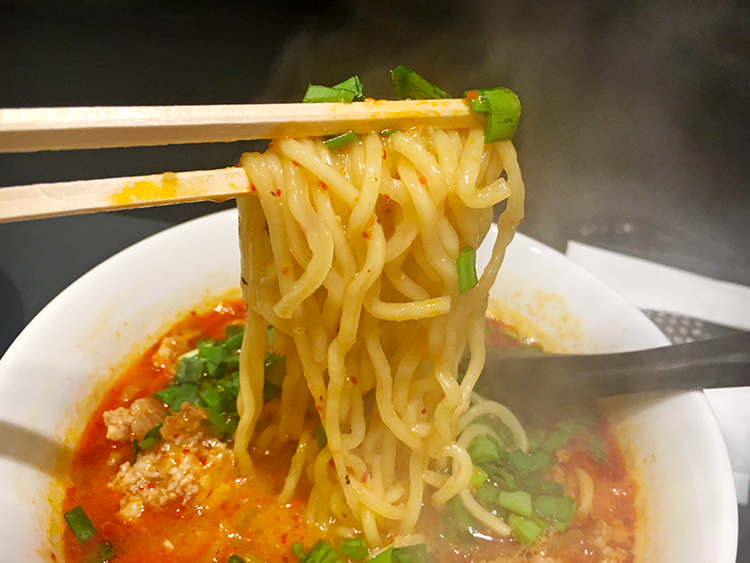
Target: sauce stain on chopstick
(145,190)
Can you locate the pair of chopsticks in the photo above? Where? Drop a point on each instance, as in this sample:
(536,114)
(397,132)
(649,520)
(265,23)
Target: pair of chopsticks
(44,129)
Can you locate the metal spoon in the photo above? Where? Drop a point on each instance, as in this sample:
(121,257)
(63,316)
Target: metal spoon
(561,378)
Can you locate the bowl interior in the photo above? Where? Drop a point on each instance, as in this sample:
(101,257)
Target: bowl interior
(60,366)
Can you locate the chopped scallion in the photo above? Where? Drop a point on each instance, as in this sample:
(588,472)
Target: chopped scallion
(341,141)
(518,502)
(350,90)
(234,558)
(467,269)
(189,369)
(354,548)
(79,524)
(410,554)
(501,110)
(559,510)
(321,552)
(477,478)
(408,85)
(526,531)
(320,437)
(483,449)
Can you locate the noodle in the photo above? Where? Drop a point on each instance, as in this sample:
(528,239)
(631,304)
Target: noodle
(351,256)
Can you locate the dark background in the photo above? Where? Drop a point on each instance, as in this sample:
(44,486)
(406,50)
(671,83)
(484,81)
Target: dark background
(635,133)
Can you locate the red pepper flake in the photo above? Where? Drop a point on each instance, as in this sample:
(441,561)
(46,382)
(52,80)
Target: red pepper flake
(365,477)
(278,192)
(472,94)
(285,559)
(295,163)
(140,488)
(422,179)
(285,269)
(252,188)
(322,185)
(151,486)
(186,451)
(424,411)
(387,198)
(318,408)
(176,436)
(353,380)
(385,154)
(283,538)
(366,235)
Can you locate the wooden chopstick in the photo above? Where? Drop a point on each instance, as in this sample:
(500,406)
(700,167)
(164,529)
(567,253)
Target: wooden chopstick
(39,129)
(37,201)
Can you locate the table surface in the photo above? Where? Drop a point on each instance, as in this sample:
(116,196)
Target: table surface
(635,132)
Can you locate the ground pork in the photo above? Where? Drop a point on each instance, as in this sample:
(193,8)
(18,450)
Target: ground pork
(132,423)
(177,469)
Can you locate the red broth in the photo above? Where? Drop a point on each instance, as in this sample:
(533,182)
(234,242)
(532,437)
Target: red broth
(242,516)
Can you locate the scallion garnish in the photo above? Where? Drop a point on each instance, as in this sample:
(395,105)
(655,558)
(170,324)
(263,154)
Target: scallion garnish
(341,141)
(558,511)
(80,524)
(189,369)
(320,437)
(350,90)
(501,110)
(408,85)
(321,552)
(518,502)
(483,449)
(526,531)
(478,476)
(467,269)
(354,548)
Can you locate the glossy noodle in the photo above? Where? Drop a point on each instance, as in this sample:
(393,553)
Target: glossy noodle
(351,256)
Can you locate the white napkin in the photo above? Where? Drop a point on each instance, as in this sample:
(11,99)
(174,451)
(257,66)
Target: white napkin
(648,285)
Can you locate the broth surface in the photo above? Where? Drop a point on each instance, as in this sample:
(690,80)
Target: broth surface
(229,514)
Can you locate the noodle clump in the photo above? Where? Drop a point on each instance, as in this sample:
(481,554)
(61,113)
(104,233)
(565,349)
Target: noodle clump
(351,256)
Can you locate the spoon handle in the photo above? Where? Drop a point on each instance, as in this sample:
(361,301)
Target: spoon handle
(718,362)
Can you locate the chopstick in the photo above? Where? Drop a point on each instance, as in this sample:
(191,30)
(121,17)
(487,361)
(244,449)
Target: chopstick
(38,201)
(40,129)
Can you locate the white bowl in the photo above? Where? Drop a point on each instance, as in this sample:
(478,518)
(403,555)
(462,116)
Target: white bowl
(62,363)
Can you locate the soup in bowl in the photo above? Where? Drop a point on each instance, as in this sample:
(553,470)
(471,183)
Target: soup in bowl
(58,371)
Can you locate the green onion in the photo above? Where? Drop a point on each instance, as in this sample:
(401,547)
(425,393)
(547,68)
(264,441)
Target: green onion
(551,488)
(516,501)
(320,437)
(477,478)
(558,510)
(354,548)
(175,395)
(270,390)
(408,85)
(321,552)
(525,531)
(460,515)
(487,492)
(341,141)
(269,330)
(483,449)
(520,461)
(383,557)
(235,333)
(501,110)
(350,90)
(79,524)
(151,438)
(500,475)
(410,554)
(467,269)
(189,370)
(234,558)
(388,133)
(540,462)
